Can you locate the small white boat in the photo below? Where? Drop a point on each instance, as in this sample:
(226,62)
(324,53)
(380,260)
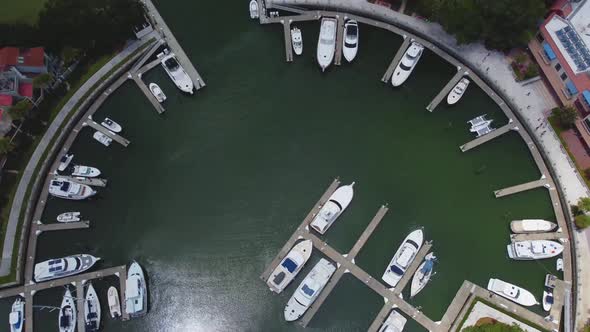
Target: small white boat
(16,318)
(333,208)
(102,138)
(559,264)
(513,293)
(136,291)
(176,72)
(157,92)
(309,289)
(422,275)
(253,9)
(297,40)
(404,256)
(351,40)
(534,249)
(91,310)
(63,267)
(326,42)
(290,266)
(68,217)
(532,226)
(547,300)
(111,125)
(65,161)
(85,171)
(114,303)
(406,65)
(395,322)
(67,313)
(63,188)
(458,91)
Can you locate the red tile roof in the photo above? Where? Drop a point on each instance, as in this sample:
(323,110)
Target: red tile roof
(5,100)
(8,56)
(32,57)
(25,89)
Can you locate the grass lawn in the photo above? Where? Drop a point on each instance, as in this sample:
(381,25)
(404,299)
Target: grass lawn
(24,11)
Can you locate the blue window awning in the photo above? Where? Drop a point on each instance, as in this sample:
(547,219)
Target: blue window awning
(571,88)
(586,95)
(549,51)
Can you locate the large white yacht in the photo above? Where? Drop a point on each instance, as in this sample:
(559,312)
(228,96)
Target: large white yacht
(91,310)
(16,318)
(422,275)
(290,266)
(403,257)
(406,65)
(532,226)
(63,267)
(309,289)
(63,188)
(326,42)
(534,249)
(351,40)
(67,313)
(332,209)
(176,72)
(512,292)
(85,171)
(135,292)
(395,322)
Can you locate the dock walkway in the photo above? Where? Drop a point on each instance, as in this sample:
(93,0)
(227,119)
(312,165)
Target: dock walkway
(447,89)
(521,187)
(488,137)
(396,59)
(61,226)
(115,137)
(409,274)
(95,182)
(538,236)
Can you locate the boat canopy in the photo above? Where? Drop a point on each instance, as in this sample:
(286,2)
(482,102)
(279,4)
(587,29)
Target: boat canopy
(307,291)
(14,317)
(511,291)
(395,269)
(289,264)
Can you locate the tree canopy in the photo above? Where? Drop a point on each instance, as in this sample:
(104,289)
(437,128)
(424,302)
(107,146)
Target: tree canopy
(20,110)
(500,24)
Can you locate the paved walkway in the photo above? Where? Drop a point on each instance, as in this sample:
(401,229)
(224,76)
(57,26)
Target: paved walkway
(481,310)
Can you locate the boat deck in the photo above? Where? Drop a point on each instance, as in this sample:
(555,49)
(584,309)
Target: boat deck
(447,89)
(399,288)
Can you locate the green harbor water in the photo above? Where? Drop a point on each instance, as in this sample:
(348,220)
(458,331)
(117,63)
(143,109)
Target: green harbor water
(207,193)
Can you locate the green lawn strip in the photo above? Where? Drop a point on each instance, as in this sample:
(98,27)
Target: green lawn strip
(558,130)
(12,276)
(518,318)
(26,11)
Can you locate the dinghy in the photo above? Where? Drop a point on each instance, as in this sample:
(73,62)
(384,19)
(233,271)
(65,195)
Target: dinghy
(85,171)
(547,300)
(309,289)
(67,313)
(559,264)
(16,318)
(351,40)
(406,65)
(136,292)
(457,91)
(91,310)
(333,208)
(395,322)
(297,40)
(404,256)
(111,125)
(65,161)
(253,9)
(532,226)
(157,92)
(69,217)
(423,274)
(326,42)
(534,249)
(290,266)
(114,304)
(513,293)
(102,138)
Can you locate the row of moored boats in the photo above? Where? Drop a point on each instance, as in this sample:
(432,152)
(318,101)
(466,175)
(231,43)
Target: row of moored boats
(63,187)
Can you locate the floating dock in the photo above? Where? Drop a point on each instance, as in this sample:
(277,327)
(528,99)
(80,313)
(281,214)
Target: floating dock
(521,187)
(488,137)
(95,182)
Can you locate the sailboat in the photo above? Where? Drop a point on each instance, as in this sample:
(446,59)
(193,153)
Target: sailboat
(423,274)
(91,310)
(67,313)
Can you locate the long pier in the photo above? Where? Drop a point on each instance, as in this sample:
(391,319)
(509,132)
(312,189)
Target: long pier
(287,37)
(95,182)
(399,288)
(360,242)
(150,97)
(396,59)
(380,319)
(538,236)
(80,306)
(521,187)
(488,137)
(61,226)
(447,89)
(339,39)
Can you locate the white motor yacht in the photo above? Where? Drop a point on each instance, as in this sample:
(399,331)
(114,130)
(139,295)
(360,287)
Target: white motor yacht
(422,275)
(63,267)
(532,226)
(157,92)
(403,257)
(333,208)
(253,9)
(102,138)
(297,40)
(290,266)
(395,322)
(547,300)
(534,249)
(63,188)
(111,125)
(16,318)
(326,42)
(68,217)
(458,91)
(309,289)
(406,65)
(114,303)
(67,313)
(91,310)
(513,293)
(136,291)
(65,161)
(85,171)
(351,40)
(176,72)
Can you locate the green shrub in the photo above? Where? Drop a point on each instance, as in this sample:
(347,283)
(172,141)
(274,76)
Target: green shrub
(566,116)
(582,221)
(531,71)
(494,327)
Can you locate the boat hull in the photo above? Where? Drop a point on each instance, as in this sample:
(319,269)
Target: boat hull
(350,43)
(92,311)
(179,76)
(532,226)
(400,75)
(67,314)
(326,43)
(102,138)
(290,266)
(42,270)
(114,302)
(420,279)
(130,308)
(17,315)
(521,250)
(65,161)
(393,277)
(339,201)
(394,322)
(503,289)
(253,7)
(68,217)
(546,303)
(157,92)
(297,41)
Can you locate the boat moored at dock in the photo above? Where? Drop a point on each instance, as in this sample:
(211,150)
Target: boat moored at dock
(111,125)
(102,138)
(512,292)
(63,188)
(458,91)
(297,40)
(333,208)
(85,171)
(395,322)
(534,249)
(309,289)
(68,217)
(16,318)
(91,310)
(176,72)
(290,266)
(547,300)
(404,256)
(65,161)
(136,291)
(422,275)
(407,64)
(157,92)
(67,313)
(351,40)
(326,42)
(114,302)
(532,226)
(253,6)
(63,267)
